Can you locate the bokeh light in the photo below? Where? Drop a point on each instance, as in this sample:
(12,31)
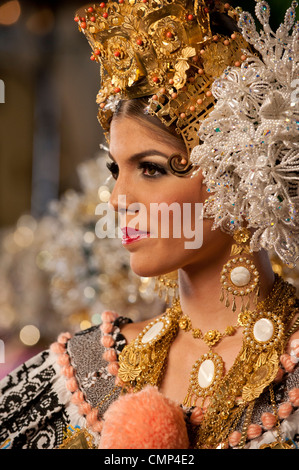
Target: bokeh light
(29,335)
(10,13)
(41,22)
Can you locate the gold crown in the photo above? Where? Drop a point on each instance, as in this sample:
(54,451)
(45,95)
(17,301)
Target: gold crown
(163,49)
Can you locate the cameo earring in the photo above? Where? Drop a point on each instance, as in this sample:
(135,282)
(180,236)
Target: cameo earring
(239,276)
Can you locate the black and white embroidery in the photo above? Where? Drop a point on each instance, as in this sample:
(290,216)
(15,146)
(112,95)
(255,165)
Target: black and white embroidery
(31,414)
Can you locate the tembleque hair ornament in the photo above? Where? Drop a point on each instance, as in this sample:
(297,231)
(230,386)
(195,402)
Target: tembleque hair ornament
(249,150)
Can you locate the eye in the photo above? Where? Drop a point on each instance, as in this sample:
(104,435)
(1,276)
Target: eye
(153,169)
(113,168)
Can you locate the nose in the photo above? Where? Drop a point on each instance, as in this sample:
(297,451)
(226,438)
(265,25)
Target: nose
(122,199)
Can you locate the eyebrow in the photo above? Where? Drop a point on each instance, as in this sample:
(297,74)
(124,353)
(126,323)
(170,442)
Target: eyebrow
(146,153)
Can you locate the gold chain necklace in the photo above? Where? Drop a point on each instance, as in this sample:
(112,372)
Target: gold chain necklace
(208,369)
(211,337)
(143,361)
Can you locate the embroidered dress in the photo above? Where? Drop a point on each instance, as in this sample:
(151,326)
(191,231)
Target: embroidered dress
(41,399)
(36,400)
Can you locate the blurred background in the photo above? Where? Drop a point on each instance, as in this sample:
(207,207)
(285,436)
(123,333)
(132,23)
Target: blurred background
(55,274)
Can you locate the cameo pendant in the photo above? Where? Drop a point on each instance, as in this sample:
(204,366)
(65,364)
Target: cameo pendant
(263,341)
(205,376)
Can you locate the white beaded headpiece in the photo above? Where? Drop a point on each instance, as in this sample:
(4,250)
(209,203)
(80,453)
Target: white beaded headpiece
(249,153)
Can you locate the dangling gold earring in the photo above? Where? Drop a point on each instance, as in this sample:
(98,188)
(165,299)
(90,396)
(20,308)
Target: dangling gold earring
(239,276)
(167,284)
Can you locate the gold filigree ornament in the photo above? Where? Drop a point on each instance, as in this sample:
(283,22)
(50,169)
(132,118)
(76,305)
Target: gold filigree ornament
(205,377)
(209,368)
(143,361)
(254,369)
(159,49)
(167,285)
(263,334)
(231,395)
(211,337)
(77,438)
(239,276)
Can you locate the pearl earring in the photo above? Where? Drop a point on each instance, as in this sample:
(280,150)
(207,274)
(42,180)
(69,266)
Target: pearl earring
(239,276)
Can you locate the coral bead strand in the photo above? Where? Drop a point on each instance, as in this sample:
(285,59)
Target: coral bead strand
(91,414)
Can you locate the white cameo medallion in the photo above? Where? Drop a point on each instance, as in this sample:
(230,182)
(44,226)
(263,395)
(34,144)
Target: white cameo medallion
(152,332)
(263,330)
(206,373)
(240,276)
(205,376)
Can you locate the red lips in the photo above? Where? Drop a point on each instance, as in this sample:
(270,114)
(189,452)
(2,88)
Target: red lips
(130,235)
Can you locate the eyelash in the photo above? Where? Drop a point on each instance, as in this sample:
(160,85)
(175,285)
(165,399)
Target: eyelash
(113,168)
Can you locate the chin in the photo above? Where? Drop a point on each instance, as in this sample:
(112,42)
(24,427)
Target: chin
(155,266)
(143,269)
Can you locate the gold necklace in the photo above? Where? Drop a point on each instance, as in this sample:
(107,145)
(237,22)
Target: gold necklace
(209,368)
(211,337)
(254,369)
(143,362)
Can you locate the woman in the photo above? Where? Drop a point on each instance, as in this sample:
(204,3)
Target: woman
(208,373)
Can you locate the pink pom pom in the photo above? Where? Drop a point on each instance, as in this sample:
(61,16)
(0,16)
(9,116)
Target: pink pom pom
(107,341)
(64,337)
(268,420)
(110,355)
(253,431)
(295,350)
(84,408)
(196,416)
(72,384)
(113,368)
(92,417)
(287,362)
(57,348)
(144,420)
(106,328)
(285,410)
(63,360)
(67,371)
(234,438)
(109,316)
(294,396)
(78,397)
(118,382)
(97,426)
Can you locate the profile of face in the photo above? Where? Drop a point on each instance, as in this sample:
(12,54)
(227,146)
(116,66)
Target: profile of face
(143,182)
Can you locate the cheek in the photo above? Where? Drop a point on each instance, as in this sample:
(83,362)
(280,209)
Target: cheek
(177,206)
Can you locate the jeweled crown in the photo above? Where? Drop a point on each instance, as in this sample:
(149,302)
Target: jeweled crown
(163,49)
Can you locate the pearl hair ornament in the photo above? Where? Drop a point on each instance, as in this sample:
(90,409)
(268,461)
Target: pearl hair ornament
(249,142)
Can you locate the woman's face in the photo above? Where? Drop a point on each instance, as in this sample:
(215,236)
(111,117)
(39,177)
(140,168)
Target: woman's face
(143,183)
